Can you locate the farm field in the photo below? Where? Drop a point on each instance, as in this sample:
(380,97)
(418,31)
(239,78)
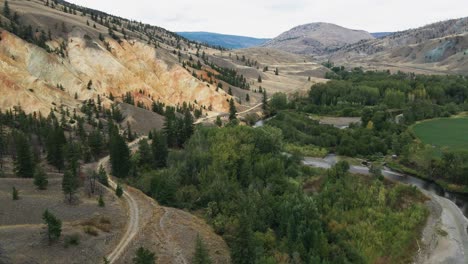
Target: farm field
(451,133)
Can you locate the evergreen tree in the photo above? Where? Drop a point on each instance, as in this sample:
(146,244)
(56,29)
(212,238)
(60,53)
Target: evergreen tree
(6,9)
(188,126)
(160,150)
(259,79)
(70,184)
(277,71)
(201,255)
(119,156)
(101,201)
(55,143)
(170,127)
(2,144)
(24,163)
(144,256)
(232,110)
(40,178)
(119,190)
(247,97)
(102,176)
(264,100)
(145,158)
(243,248)
(54,226)
(230,90)
(15,194)
(218,121)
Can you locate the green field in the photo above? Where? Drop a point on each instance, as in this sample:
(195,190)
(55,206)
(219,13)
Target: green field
(451,133)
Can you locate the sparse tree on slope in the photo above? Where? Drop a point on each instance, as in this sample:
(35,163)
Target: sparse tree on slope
(54,226)
(40,178)
(70,184)
(24,163)
(144,256)
(201,255)
(160,150)
(232,110)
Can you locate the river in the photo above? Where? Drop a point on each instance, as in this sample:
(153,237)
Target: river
(460,200)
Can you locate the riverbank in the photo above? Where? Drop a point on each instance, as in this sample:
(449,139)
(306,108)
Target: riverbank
(453,188)
(444,238)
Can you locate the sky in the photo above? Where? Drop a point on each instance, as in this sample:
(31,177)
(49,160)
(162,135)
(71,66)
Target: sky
(269,18)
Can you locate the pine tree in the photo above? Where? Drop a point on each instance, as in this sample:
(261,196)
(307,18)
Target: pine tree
(243,249)
(277,71)
(145,155)
(144,256)
(264,100)
(188,126)
(70,184)
(259,79)
(160,150)
(54,226)
(6,9)
(102,176)
(230,90)
(218,121)
(119,190)
(55,143)
(15,194)
(40,178)
(247,97)
(2,144)
(119,156)
(201,255)
(24,163)
(232,110)
(101,201)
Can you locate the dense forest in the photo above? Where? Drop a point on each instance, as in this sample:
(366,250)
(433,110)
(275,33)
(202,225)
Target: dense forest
(254,196)
(387,104)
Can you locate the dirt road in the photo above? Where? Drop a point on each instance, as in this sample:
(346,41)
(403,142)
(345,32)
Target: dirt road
(133,213)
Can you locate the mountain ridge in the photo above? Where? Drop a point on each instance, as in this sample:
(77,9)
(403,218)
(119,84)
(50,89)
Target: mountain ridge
(223,40)
(316,38)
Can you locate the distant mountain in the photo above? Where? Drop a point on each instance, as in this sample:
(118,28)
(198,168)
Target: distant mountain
(317,38)
(381,34)
(440,47)
(225,41)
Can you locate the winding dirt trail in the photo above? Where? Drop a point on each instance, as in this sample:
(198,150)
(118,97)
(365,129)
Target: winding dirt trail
(168,231)
(133,219)
(133,214)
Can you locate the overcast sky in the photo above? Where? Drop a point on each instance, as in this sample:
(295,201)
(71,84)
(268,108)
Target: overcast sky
(269,18)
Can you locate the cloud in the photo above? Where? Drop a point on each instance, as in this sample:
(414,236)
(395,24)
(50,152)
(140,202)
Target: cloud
(269,18)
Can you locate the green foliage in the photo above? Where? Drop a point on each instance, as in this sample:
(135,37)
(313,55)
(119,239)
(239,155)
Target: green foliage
(101,202)
(144,256)
(102,176)
(14,193)
(119,155)
(40,178)
(160,150)
(279,101)
(201,255)
(24,163)
(54,226)
(72,240)
(119,190)
(70,184)
(232,110)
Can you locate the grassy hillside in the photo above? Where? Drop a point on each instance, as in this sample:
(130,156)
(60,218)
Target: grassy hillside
(225,41)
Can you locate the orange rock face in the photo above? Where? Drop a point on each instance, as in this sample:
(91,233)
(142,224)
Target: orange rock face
(29,76)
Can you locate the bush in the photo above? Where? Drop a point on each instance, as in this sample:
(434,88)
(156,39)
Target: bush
(72,240)
(90,231)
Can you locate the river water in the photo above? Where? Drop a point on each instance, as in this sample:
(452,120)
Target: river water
(460,200)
